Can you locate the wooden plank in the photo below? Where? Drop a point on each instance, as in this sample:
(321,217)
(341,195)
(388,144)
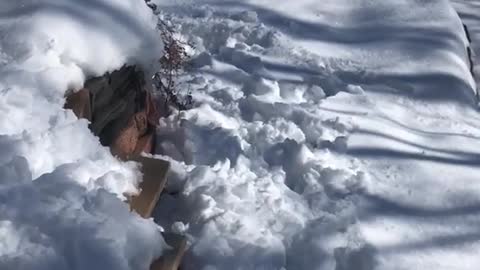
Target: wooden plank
(79,103)
(145,143)
(154,180)
(114,110)
(172,259)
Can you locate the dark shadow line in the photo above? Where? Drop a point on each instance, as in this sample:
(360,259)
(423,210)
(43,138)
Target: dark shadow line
(461,154)
(388,153)
(377,205)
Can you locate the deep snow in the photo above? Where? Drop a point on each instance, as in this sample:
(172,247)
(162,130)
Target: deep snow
(59,188)
(334,135)
(339,135)
(469,11)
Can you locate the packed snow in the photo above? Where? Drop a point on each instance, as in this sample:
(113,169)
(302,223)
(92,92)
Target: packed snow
(59,188)
(469,11)
(334,134)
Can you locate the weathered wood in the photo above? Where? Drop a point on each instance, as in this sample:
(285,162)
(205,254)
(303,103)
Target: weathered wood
(79,103)
(102,93)
(123,80)
(124,115)
(117,108)
(96,85)
(154,180)
(171,260)
(145,143)
(125,143)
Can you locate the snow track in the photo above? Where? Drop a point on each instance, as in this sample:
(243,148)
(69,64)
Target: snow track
(339,135)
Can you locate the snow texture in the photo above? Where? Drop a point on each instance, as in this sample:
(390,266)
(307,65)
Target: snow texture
(59,188)
(335,135)
(469,13)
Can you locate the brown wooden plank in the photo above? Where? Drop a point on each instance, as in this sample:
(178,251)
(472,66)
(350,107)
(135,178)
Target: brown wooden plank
(171,260)
(104,115)
(145,143)
(154,180)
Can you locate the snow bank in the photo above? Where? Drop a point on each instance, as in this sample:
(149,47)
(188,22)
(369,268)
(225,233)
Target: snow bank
(469,13)
(334,134)
(58,185)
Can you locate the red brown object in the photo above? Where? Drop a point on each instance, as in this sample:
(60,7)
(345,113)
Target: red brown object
(153,114)
(133,139)
(145,144)
(126,140)
(122,111)
(141,122)
(154,181)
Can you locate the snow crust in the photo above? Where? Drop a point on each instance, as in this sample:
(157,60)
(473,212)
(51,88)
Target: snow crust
(59,188)
(335,135)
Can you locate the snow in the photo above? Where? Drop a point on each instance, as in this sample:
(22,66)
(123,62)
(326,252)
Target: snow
(334,135)
(339,135)
(59,188)
(468,11)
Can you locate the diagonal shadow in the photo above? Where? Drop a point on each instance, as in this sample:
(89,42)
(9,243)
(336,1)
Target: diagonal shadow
(378,205)
(380,153)
(460,154)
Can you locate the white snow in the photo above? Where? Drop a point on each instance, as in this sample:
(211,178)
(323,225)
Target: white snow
(335,134)
(59,188)
(469,12)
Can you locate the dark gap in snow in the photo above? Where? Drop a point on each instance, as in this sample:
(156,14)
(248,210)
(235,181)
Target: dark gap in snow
(470,54)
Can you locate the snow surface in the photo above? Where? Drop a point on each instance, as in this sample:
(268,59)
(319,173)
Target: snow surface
(469,11)
(59,188)
(335,135)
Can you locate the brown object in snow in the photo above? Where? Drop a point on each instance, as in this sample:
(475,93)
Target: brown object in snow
(126,139)
(154,180)
(145,144)
(79,103)
(171,259)
(123,114)
(121,109)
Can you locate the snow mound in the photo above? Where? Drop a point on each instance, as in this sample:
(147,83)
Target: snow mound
(59,187)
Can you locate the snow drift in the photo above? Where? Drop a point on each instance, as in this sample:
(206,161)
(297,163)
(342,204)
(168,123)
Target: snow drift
(59,187)
(333,134)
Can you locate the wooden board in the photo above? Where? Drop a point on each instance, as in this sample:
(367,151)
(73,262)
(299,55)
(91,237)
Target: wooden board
(79,103)
(154,180)
(171,259)
(145,144)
